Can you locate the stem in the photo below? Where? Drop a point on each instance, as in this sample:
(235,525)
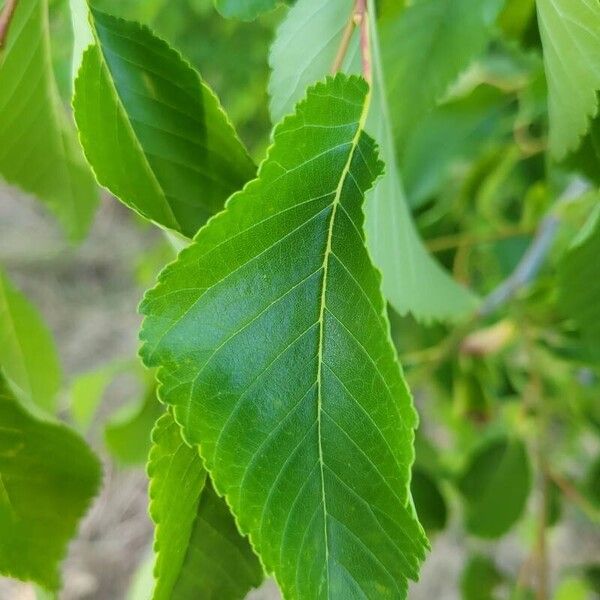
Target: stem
(344,44)
(5,19)
(449,242)
(574,495)
(361,18)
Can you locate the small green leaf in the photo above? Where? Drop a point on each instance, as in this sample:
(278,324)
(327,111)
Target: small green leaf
(127,434)
(479,579)
(86,395)
(38,149)
(27,353)
(48,476)
(579,282)
(153,132)
(426,48)
(274,351)
(246,10)
(412,280)
(429,501)
(199,551)
(495,487)
(570,32)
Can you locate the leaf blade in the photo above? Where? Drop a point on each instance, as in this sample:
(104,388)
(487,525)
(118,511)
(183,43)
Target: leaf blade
(267,255)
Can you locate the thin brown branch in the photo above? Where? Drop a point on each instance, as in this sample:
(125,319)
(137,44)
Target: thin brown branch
(5,20)
(361,18)
(344,45)
(570,491)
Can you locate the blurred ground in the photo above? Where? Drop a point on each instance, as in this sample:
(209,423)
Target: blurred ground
(88,296)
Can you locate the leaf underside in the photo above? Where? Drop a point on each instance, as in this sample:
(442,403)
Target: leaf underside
(412,280)
(274,351)
(153,132)
(199,551)
(570,32)
(48,476)
(38,150)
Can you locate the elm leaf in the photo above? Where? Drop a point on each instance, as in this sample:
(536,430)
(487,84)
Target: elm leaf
(274,352)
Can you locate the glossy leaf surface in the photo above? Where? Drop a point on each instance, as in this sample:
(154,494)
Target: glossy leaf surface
(570,32)
(27,353)
(39,151)
(274,351)
(199,551)
(154,133)
(412,280)
(48,476)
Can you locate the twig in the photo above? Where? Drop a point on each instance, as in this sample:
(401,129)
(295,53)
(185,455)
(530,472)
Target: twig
(574,495)
(448,242)
(361,18)
(5,19)
(533,259)
(344,44)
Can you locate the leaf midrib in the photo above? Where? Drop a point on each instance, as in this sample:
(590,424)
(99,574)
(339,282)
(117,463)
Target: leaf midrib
(322,306)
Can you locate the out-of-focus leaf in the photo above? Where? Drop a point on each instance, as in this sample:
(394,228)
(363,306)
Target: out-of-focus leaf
(142,582)
(429,501)
(86,394)
(153,132)
(570,32)
(283,360)
(199,551)
(495,487)
(426,48)
(412,280)
(592,483)
(586,159)
(572,588)
(579,282)
(48,476)
(479,579)
(128,433)
(28,356)
(246,10)
(38,149)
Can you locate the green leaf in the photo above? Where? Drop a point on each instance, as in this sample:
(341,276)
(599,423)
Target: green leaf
(495,487)
(199,551)
(425,50)
(86,394)
(247,10)
(412,280)
(579,282)
(27,353)
(573,588)
(127,434)
(38,149)
(570,32)
(479,579)
(48,476)
(274,350)
(154,133)
(429,501)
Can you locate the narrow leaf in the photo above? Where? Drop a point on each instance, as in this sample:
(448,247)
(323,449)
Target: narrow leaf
(27,352)
(274,350)
(570,32)
(38,149)
(199,551)
(153,132)
(412,280)
(48,476)
(495,487)
(579,282)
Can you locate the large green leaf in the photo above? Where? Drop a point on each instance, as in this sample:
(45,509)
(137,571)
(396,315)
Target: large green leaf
(199,551)
(274,351)
(426,48)
(153,132)
(570,32)
(412,280)
(38,149)
(27,353)
(495,487)
(48,476)
(244,9)
(579,282)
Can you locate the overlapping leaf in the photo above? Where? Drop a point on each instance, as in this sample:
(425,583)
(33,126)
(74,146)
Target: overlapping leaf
(579,282)
(199,551)
(27,353)
(495,487)
(570,32)
(38,149)
(244,9)
(153,132)
(274,351)
(48,476)
(412,280)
